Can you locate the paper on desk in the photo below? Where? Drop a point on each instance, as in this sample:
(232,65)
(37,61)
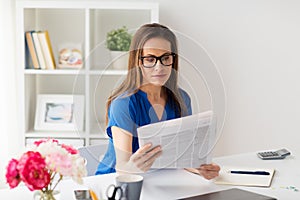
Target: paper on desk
(227,178)
(186,142)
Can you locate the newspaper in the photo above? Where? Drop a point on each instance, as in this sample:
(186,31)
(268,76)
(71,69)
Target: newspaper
(186,142)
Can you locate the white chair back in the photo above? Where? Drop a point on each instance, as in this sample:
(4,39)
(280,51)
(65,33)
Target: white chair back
(93,155)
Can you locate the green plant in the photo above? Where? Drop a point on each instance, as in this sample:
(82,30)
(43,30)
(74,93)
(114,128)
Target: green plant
(118,39)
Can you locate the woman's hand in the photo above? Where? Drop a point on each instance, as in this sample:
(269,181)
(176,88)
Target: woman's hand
(126,162)
(145,156)
(208,171)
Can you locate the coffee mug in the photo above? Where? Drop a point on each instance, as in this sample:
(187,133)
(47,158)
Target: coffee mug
(131,185)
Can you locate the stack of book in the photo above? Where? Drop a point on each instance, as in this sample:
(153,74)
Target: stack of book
(39,50)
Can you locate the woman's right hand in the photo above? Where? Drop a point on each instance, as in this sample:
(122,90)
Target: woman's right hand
(145,156)
(128,162)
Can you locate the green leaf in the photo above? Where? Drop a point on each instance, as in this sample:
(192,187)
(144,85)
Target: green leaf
(118,39)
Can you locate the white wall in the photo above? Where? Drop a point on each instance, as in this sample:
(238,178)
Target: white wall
(255,44)
(9,141)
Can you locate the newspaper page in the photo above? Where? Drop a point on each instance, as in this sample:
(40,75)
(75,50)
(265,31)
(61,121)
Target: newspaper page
(186,142)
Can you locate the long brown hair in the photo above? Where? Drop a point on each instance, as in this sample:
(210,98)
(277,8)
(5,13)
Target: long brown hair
(133,80)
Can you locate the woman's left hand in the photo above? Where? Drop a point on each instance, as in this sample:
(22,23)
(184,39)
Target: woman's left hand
(208,171)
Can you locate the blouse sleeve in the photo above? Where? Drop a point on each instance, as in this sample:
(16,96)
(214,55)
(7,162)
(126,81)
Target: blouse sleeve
(121,114)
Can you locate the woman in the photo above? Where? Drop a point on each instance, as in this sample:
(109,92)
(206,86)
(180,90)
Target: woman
(149,94)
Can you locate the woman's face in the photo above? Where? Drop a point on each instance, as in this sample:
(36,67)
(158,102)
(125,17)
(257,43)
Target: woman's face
(159,74)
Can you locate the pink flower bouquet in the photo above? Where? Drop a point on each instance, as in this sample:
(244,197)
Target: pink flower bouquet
(45,165)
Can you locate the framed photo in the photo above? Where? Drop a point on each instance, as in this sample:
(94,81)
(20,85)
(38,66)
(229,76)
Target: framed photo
(59,112)
(70,56)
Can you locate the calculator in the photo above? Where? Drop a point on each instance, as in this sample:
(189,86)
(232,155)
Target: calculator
(271,155)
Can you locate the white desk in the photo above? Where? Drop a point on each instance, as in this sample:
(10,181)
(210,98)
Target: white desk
(173,184)
(287,174)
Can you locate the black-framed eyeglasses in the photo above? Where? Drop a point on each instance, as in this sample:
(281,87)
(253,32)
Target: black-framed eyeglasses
(150,61)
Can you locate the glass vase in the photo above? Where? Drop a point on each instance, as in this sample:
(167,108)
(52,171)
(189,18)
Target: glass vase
(47,195)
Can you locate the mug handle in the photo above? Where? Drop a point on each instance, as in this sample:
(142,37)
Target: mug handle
(124,191)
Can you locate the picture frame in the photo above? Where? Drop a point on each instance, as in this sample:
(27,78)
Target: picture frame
(59,112)
(70,56)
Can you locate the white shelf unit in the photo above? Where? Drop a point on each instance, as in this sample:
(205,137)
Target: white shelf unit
(84,22)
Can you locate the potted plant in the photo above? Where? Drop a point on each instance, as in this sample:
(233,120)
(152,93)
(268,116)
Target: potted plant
(118,42)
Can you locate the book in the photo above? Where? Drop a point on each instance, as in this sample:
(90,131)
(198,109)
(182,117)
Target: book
(47,49)
(38,49)
(231,194)
(32,51)
(255,179)
(28,60)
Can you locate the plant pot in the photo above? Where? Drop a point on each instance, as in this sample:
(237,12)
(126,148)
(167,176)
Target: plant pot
(119,59)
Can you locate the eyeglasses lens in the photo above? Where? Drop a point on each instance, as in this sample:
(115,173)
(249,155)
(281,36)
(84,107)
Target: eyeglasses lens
(150,61)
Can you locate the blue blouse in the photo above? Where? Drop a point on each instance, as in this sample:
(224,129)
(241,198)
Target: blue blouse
(131,112)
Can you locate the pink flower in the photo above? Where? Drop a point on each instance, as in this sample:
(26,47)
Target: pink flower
(12,174)
(33,172)
(46,160)
(59,162)
(37,143)
(79,169)
(70,149)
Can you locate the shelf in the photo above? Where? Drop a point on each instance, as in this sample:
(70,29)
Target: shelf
(56,71)
(85,23)
(108,72)
(75,72)
(95,136)
(57,134)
